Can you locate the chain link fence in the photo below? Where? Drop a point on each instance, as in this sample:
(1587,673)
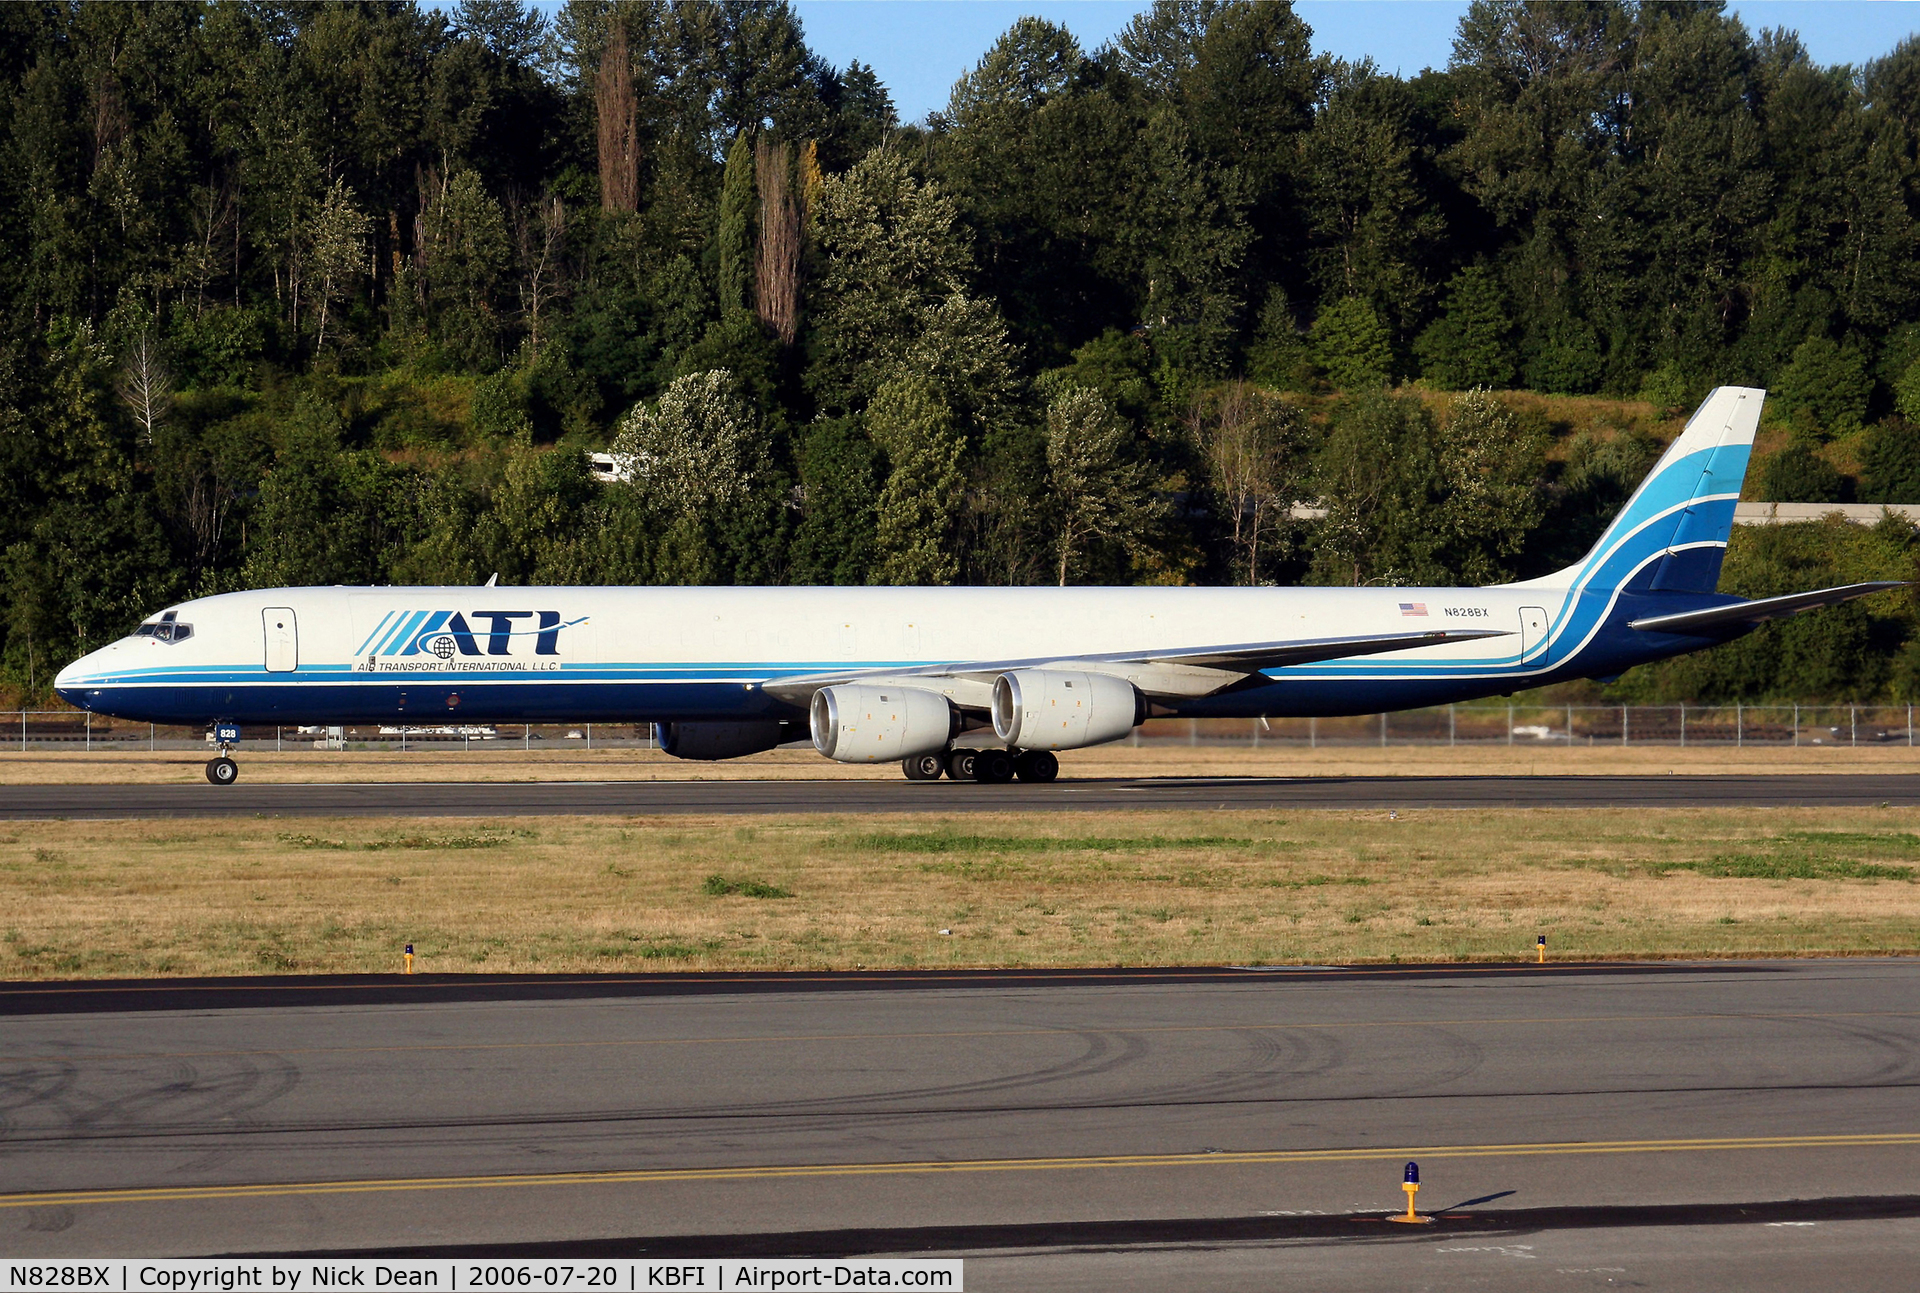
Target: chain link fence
(22,730)
(1561,725)
(1557,725)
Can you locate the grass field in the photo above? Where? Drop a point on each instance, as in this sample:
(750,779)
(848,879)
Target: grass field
(505,763)
(572,894)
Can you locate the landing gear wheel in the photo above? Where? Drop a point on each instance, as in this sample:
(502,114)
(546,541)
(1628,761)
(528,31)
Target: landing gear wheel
(923,767)
(960,764)
(993,767)
(222,771)
(1036,765)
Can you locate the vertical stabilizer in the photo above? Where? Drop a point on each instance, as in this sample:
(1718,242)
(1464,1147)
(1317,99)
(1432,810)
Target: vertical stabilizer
(1672,534)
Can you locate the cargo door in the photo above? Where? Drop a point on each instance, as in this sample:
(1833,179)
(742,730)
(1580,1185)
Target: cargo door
(1533,632)
(283,639)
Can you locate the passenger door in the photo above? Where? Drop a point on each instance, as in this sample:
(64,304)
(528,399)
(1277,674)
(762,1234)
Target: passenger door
(283,639)
(1533,631)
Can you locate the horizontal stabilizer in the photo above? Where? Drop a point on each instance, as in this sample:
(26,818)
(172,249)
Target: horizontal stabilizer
(1741,615)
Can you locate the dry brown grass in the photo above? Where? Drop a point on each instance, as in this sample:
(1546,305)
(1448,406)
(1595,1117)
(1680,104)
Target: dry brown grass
(504,763)
(608,894)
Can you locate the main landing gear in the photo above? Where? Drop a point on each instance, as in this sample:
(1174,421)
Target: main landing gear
(990,767)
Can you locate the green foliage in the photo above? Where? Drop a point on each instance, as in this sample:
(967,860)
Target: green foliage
(840,474)
(720,886)
(892,256)
(1668,390)
(384,295)
(1381,480)
(693,449)
(1890,462)
(1829,383)
(1798,474)
(1417,500)
(1598,477)
(1100,494)
(464,245)
(1116,364)
(736,227)
(1351,345)
(1489,465)
(919,505)
(1375,225)
(327,515)
(1906,392)
(1278,355)
(1255,446)
(1568,362)
(1470,343)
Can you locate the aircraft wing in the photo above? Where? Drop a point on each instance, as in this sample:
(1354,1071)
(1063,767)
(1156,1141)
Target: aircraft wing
(1183,671)
(1743,615)
(1253,657)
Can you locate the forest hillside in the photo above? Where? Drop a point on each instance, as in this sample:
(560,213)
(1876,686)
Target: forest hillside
(347,293)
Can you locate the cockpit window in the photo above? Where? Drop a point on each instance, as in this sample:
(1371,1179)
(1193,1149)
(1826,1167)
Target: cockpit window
(166,629)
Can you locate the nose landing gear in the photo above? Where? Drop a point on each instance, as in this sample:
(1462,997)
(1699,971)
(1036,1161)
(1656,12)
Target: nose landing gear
(222,770)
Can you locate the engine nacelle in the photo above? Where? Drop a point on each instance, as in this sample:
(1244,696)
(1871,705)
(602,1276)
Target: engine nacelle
(863,723)
(709,741)
(1052,709)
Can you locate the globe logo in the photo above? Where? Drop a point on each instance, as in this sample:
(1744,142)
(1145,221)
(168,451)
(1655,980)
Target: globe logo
(443,647)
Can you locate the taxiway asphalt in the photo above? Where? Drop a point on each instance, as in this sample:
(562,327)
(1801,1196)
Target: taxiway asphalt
(1697,1125)
(494,799)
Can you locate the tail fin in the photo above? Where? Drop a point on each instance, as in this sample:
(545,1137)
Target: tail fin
(1672,534)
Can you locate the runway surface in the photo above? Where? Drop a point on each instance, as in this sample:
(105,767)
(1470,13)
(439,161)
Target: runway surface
(495,799)
(1723,1125)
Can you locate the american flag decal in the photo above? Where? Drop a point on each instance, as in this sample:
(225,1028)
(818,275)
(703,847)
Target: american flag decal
(1413,608)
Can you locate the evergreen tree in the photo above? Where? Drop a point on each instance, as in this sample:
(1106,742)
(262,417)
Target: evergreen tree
(1278,355)
(1375,229)
(737,200)
(1351,345)
(840,480)
(1470,343)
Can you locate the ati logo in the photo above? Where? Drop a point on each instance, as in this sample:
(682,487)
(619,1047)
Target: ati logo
(448,634)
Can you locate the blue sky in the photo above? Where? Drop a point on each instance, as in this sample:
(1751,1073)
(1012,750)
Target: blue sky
(920,47)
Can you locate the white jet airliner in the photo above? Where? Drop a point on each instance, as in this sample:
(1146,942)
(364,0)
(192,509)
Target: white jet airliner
(923,675)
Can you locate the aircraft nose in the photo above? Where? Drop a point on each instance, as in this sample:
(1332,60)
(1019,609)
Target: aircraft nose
(68,682)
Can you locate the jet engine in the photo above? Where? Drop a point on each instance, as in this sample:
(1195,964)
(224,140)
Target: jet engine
(709,741)
(1052,709)
(863,723)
